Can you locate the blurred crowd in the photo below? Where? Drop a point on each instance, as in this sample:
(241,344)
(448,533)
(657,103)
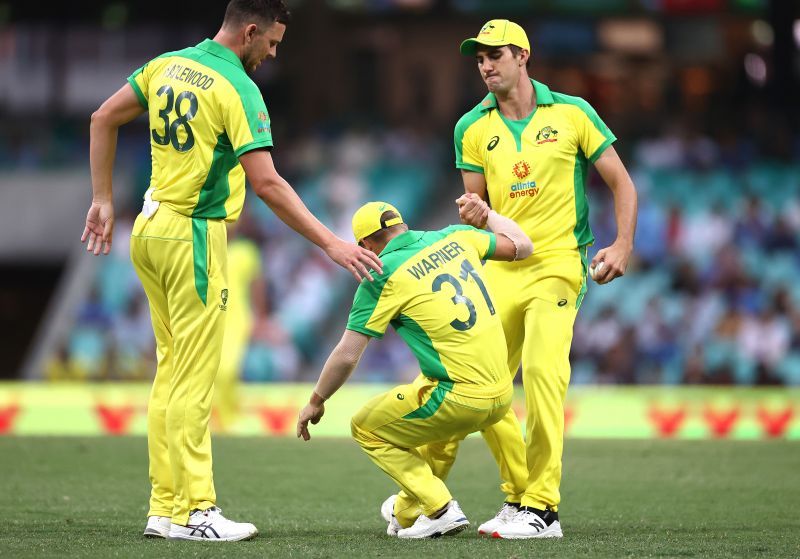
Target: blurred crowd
(710,296)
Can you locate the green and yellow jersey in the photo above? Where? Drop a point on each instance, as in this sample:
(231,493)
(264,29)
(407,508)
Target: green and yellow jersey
(432,293)
(536,168)
(204,113)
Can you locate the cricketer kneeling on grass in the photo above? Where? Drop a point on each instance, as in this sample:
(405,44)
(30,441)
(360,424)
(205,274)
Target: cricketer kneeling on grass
(432,293)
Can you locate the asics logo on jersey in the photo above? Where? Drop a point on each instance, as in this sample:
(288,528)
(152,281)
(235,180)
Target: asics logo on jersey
(493,143)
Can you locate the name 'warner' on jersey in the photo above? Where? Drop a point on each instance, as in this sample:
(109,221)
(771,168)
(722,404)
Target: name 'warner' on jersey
(205,112)
(432,293)
(536,168)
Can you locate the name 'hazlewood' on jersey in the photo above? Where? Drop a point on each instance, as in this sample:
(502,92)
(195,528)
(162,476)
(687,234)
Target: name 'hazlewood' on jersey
(189,75)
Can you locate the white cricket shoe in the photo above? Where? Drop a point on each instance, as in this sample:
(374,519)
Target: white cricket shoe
(503,516)
(210,525)
(451,522)
(387,512)
(157,526)
(529,524)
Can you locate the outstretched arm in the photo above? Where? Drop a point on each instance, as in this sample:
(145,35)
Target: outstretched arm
(615,257)
(337,370)
(119,109)
(287,205)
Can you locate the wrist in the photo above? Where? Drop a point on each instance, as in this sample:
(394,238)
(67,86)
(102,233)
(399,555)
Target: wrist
(316,399)
(624,242)
(329,243)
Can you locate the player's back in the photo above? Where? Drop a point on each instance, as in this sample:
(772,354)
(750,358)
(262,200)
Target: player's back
(204,112)
(433,294)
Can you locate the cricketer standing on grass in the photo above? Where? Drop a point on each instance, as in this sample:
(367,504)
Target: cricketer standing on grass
(431,291)
(209,127)
(525,149)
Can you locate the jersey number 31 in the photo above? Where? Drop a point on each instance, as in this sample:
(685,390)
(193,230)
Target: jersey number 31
(467,271)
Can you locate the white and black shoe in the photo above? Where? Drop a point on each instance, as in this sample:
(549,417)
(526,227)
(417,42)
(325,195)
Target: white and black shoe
(503,517)
(210,525)
(530,523)
(157,526)
(448,523)
(387,512)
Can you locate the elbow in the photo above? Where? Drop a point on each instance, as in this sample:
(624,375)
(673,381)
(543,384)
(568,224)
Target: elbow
(265,187)
(350,363)
(524,248)
(105,119)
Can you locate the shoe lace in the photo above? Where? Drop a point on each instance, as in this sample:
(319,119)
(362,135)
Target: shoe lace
(211,512)
(507,512)
(523,516)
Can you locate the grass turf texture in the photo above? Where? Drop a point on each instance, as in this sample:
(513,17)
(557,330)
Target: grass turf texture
(87,497)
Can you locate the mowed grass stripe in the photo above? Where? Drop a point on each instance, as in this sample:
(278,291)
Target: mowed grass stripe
(87,497)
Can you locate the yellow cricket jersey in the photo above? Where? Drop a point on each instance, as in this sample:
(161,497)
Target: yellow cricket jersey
(536,168)
(432,293)
(204,113)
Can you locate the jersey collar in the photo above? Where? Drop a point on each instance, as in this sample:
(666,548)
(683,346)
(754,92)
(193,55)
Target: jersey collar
(543,97)
(402,241)
(213,47)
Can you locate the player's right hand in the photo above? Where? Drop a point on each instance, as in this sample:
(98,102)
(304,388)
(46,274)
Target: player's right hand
(312,413)
(358,261)
(472,210)
(99,228)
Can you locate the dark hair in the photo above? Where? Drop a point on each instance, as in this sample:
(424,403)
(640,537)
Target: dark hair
(240,12)
(382,234)
(515,50)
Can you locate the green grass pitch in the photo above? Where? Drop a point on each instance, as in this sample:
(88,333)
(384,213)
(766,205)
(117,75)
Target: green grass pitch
(87,497)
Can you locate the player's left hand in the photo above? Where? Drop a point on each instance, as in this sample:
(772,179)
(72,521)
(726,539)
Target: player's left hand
(615,262)
(99,228)
(312,413)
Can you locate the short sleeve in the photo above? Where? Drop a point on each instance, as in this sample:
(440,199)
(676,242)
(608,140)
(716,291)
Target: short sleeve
(484,242)
(247,121)
(373,309)
(139,81)
(468,155)
(594,136)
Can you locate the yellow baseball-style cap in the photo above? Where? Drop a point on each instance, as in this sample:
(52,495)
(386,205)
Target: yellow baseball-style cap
(367,219)
(497,33)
